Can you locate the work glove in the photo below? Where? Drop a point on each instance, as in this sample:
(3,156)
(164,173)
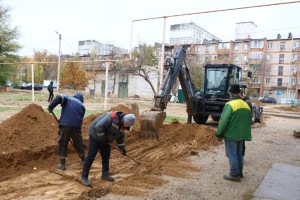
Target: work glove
(123,150)
(50,110)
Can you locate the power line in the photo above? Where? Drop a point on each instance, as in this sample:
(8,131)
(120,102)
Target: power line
(220,10)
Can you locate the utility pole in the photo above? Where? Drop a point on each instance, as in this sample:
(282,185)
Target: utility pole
(58,66)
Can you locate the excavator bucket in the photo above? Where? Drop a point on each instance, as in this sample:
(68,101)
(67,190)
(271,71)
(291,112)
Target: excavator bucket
(151,122)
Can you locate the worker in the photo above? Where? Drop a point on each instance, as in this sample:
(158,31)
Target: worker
(247,100)
(70,123)
(50,90)
(102,131)
(235,127)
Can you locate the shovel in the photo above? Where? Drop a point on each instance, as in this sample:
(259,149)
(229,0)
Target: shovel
(114,146)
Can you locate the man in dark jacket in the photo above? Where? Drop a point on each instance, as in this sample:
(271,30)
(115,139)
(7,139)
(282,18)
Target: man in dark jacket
(70,123)
(102,131)
(235,127)
(50,90)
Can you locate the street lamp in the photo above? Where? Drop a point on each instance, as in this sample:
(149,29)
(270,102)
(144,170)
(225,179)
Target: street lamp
(58,66)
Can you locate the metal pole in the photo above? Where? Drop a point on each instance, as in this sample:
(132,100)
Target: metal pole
(32,81)
(59,54)
(162,52)
(106,84)
(131,40)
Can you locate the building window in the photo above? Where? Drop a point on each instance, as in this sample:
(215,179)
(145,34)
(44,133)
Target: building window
(257,44)
(270,45)
(246,47)
(280,70)
(294,70)
(282,45)
(279,82)
(224,45)
(269,57)
(294,58)
(236,47)
(267,80)
(296,44)
(281,58)
(246,58)
(256,55)
(236,58)
(293,82)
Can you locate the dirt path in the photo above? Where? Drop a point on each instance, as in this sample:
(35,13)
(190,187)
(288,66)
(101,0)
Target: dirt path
(186,163)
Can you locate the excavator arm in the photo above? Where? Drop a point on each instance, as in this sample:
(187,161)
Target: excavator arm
(152,120)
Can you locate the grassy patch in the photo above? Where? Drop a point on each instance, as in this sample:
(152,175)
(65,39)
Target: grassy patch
(169,119)
(28,97)
(8,108)
(248,195)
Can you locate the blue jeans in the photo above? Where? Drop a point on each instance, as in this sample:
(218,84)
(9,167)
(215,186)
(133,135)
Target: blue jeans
(234,152)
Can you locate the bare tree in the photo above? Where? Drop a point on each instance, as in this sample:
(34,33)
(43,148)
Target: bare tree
(142,64)
(260,70)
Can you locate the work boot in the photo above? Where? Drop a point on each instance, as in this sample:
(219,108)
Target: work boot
(62,164)
(107,177)
(85,181)
(241,175)
(232,178)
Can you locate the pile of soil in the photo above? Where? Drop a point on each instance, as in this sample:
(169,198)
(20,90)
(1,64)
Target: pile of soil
(288,108)
(28,140)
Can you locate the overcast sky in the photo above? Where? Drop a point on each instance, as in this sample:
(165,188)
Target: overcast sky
(109,21)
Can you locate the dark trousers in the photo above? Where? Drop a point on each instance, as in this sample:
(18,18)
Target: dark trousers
(51,95)
(67,133)
(95,146)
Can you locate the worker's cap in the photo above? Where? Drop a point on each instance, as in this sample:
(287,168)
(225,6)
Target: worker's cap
(235,88)
(79,96)
(129,119)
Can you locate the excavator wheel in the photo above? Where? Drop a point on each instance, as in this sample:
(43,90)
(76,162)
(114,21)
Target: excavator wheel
(200,119)
(151,122)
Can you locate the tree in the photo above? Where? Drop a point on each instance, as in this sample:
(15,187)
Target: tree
(45,70)
(142,64)
(260,70)
(8,45)
(74,77)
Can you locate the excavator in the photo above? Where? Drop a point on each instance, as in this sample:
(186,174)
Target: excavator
(209,101)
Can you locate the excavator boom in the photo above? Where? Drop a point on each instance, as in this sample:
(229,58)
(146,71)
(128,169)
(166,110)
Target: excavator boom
(152,120)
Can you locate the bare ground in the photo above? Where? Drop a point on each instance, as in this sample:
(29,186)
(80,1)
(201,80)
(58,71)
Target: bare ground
(175,167)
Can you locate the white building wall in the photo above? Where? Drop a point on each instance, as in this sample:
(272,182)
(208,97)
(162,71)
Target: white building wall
(188,33)
(136,84)
(245,30)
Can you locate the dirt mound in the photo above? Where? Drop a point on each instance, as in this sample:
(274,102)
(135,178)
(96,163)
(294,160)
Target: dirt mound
(30,129)
(288,108)
(29,139)
(257,102)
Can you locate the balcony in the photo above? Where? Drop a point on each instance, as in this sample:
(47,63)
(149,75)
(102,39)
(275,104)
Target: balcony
(278,87)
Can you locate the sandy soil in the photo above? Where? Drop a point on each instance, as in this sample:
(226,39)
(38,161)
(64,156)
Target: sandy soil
(185,163)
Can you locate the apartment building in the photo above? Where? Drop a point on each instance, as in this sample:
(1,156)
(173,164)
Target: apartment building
(87,47)
(189,33)
(274,63)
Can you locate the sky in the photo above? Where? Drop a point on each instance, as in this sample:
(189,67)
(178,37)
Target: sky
(111,21)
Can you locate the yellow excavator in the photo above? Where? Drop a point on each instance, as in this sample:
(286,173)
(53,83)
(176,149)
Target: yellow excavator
(210,100)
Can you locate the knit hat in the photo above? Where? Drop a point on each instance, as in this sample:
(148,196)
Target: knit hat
(129,119)
(235,88)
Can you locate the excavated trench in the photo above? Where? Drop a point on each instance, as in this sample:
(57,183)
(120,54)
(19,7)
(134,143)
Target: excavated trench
(28,158)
